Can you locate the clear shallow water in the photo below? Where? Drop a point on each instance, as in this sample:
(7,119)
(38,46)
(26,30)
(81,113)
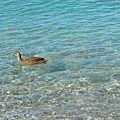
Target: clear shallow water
(81,42)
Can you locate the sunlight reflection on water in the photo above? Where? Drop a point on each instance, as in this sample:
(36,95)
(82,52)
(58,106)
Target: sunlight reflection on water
(81,42)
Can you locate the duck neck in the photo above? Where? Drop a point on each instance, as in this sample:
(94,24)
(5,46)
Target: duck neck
(19,57)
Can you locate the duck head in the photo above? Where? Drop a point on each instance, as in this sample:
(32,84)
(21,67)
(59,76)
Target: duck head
(17,54)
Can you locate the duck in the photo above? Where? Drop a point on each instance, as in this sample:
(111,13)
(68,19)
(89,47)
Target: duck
(30,60)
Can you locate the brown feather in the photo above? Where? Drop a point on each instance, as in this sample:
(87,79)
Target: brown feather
(30,60)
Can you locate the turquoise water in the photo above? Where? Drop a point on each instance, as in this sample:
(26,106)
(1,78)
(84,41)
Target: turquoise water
(81,40)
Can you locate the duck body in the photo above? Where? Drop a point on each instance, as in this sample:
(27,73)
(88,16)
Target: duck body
(30,60)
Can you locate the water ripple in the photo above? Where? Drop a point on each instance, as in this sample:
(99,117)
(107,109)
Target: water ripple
(81,42)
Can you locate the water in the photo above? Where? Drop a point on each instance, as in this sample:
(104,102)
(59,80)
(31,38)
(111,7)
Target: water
(80,39)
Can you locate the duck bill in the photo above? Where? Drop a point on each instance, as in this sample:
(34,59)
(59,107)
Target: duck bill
(14,54)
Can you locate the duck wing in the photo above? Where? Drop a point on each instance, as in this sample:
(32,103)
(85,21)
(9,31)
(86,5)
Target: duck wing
(35,60)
